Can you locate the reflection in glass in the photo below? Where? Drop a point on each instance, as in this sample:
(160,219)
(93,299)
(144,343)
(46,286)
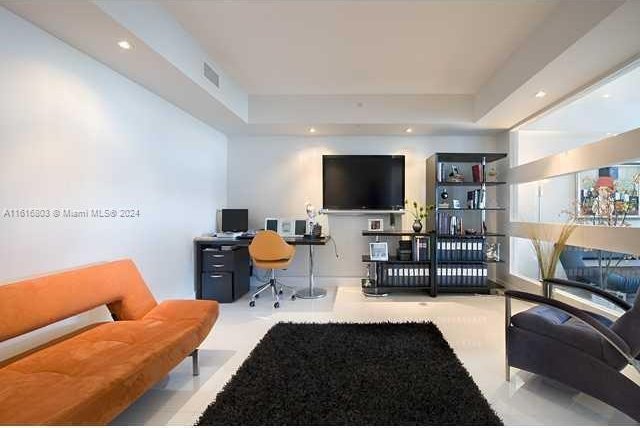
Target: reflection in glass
(617,273)
(608,196)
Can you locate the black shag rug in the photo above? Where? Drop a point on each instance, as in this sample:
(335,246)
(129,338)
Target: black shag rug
(351,374)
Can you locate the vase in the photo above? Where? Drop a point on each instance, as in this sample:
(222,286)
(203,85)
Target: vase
(417,226)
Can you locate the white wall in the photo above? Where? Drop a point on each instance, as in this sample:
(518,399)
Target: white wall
(76,135)
(274,176)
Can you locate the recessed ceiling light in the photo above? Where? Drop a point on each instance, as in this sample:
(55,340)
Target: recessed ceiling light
(124,44)
(408,130)
(312,130)
(606,95)
(541,94)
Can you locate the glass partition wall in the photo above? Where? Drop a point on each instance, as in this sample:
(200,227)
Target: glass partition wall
(577,166)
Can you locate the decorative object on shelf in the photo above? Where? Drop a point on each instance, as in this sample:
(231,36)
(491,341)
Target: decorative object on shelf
(311,212)
(317,221)
(444,196)
(548,247)
(456,204)
(492,175)
(492,252)
(375,224)
(419,213)
(316,230)
(378,251)
(454,175)
(470,232)
(367,281)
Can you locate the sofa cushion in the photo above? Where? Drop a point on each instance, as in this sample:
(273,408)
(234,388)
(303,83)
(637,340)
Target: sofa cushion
(92,376)
(30,304)
(557,324)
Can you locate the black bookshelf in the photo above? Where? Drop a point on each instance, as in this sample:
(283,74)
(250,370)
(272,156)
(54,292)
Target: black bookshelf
(470,183)
(456,268)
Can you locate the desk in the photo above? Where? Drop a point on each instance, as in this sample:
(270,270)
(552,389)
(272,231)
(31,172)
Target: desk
(203,242)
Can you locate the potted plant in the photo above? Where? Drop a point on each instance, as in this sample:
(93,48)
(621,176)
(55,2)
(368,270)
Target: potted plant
(419,213)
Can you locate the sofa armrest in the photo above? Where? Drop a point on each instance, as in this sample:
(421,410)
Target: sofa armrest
(592,289)
(607,334)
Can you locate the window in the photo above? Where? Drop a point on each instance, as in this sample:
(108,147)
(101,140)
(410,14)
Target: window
(603,201)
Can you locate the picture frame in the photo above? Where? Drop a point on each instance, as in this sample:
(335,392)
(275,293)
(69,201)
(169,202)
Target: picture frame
(375,224)
(378,251)
(286,227)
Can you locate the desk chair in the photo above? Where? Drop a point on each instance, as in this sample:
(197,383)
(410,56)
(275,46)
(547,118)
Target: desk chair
(269,251)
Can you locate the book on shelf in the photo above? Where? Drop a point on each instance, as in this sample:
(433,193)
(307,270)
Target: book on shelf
(405,275)
(462,275)
(420,248)
(476,199)
(460,249)
(476,172)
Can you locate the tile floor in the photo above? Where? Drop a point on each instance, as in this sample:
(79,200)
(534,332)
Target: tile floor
(473,325)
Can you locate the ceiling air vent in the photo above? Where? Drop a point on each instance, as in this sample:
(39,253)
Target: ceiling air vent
(211,75)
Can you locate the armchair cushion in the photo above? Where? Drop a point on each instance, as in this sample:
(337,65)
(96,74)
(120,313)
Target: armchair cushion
(628,327)
(559,325)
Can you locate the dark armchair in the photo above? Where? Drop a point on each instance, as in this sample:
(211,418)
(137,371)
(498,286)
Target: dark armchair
(579,348)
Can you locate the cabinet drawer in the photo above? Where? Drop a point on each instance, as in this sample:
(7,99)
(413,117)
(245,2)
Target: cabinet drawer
(217,286)
(217,261)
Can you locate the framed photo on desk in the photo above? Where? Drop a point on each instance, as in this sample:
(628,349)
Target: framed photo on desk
(287,227)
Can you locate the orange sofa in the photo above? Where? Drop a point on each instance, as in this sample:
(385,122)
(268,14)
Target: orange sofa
(88,377)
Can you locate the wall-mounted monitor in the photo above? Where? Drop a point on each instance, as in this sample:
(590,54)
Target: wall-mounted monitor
(356,182)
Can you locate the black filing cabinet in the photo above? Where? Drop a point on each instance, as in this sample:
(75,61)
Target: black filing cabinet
(224,273)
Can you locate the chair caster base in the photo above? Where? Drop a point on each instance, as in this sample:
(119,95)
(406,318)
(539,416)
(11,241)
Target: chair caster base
(276,305)
(293,297)
(252,303)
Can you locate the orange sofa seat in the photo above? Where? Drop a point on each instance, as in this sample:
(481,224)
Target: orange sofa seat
(90,376)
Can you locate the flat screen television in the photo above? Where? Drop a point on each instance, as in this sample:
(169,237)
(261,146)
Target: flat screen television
(356,182)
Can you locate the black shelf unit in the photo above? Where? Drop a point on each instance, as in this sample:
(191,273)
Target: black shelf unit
(399,233)
(481,235)
(473,209)
(458,276)
(418,283)
(470,183)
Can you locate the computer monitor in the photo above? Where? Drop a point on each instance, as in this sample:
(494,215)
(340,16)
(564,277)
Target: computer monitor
(234,220)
